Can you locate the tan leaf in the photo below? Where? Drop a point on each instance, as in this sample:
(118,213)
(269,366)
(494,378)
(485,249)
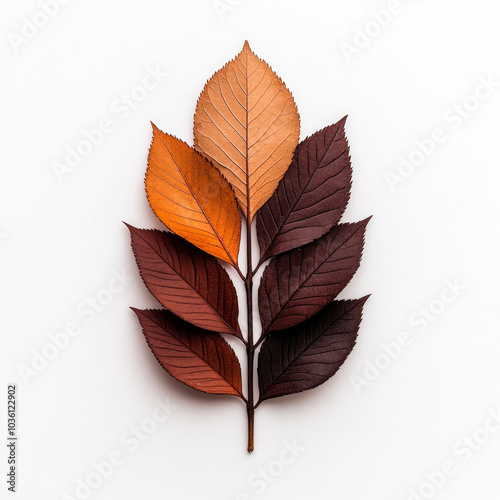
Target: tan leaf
(247,123)
(191,198)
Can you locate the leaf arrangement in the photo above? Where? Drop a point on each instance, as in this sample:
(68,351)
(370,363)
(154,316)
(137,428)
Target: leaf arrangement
(247,161)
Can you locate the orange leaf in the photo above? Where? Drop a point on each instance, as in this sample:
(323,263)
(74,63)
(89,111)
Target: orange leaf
(191,197)
(247,123)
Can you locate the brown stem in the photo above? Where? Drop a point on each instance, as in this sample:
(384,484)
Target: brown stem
(250,412)
(250,346)
(261,261)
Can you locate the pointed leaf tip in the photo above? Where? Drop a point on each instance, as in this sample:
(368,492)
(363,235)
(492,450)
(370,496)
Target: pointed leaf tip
(363,300)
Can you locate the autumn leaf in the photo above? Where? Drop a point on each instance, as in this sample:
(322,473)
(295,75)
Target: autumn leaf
(191,198)
(200,359)
(311,197)
(247,123)
(186,281)
(299,283)
(247,156)
(307,355)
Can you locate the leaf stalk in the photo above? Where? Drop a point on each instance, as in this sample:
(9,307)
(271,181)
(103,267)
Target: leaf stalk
(250,344)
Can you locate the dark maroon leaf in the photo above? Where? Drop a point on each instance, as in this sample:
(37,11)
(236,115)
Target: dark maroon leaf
(299,283)
(200,359)
(186,281)
(308,354)
(311,197)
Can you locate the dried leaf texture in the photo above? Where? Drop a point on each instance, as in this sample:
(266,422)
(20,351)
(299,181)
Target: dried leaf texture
(311,197)
(186,281)
(202,360)
(297,284)
(307,355)
(247,123)
(246,157)
(191,198)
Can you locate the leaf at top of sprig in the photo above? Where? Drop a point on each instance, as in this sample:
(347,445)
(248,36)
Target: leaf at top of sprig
(297,284)
(200,359)
(247,123)
(308,354)
(311,197)
(188,282)
(191,197)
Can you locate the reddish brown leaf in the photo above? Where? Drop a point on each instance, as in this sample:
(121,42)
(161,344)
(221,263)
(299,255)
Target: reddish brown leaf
(200,359)
(186,281)
(308,354)
(297,284)
(311,197)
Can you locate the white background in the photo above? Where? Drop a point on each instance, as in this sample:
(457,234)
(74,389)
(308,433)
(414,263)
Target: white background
(61,242)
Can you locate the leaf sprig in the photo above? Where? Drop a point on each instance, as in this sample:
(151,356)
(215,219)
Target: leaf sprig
(247,161)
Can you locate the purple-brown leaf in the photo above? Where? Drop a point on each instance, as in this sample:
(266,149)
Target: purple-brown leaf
(299,283)
(307,355)
(311,197)
(186,281)
(200,359)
